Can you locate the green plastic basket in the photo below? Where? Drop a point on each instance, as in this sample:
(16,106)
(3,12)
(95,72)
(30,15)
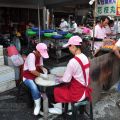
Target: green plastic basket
(49,35)
(69,35)
(30,32)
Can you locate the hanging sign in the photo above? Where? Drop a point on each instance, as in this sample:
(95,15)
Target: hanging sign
(118,7)
(106,7)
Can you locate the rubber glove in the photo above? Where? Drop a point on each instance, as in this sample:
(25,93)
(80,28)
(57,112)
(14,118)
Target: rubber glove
(44,76)
(45,70)
(58,80)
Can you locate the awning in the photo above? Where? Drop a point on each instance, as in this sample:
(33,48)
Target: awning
(34,3)
(56,3)
(21,3)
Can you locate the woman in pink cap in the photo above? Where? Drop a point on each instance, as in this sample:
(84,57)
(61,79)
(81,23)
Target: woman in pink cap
(33,67)
(75,81)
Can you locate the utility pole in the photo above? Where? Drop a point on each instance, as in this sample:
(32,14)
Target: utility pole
(39,19)
(95,14)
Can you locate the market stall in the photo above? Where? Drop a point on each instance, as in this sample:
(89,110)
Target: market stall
(104,62)
(21,3)
(105,65)
(109,32)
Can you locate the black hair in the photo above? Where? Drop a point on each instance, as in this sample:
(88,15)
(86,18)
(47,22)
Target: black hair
(80,23)
(111,22)
(72,18)
(103,18)
(97,19)
(79,47)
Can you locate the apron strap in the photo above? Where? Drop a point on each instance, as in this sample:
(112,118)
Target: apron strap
(88,90)
(83,68)
(37,60)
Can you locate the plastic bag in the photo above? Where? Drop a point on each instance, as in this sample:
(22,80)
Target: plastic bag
(12,51)
(17,60)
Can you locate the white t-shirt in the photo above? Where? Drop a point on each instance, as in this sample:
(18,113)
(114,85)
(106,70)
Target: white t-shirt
(74,70)
(75,27)
(30,63)
(118,43)
(100,33)
(64,26)
(108,29)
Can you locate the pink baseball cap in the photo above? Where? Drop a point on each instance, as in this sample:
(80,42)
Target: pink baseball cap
(42,48)
(75,40)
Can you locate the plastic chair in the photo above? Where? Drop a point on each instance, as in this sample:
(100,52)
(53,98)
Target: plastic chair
(78,109)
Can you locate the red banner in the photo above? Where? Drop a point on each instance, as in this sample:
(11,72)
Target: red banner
(118,7)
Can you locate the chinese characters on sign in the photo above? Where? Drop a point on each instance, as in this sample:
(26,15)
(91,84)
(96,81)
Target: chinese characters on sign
(106,7)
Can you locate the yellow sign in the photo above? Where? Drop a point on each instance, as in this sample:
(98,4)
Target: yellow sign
(118,7)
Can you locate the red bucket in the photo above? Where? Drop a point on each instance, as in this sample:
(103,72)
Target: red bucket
(12,51)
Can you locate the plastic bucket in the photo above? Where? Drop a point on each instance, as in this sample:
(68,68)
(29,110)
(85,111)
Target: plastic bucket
(69,35)
(62,32)
(49,35)
(57,36)
(35,29)
(12,51)
(41,33)
(30,33)
(49,31)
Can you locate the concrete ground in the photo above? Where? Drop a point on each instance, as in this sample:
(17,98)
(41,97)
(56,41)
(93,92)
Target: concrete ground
(13,109)
(106,108)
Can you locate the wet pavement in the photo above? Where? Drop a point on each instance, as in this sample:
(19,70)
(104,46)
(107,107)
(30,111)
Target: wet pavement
(12,108)
(106,108)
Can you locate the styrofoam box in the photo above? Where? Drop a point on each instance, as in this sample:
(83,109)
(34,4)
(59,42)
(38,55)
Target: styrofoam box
(1,60)
(4,86)
(1,50)
(8,62)
(6,74)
